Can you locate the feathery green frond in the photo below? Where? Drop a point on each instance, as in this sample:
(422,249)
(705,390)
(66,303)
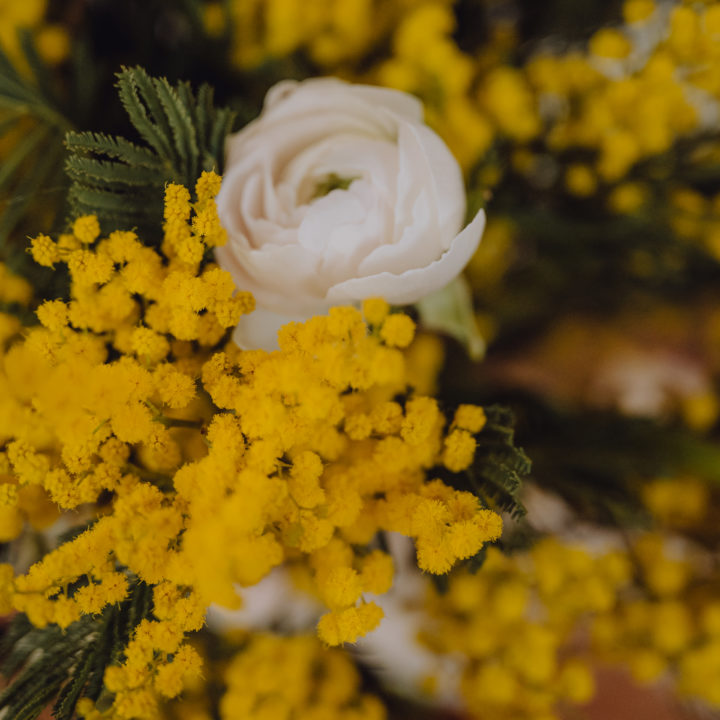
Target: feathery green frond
(498,470)
(122,182)
(46,664)
(500,467)
(113,147)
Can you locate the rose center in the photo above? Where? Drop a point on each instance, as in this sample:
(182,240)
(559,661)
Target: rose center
(332,182)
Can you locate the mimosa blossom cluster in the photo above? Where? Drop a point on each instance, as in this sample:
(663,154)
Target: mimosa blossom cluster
(198,467)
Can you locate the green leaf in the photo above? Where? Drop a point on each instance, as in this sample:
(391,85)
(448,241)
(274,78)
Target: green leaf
(450,311)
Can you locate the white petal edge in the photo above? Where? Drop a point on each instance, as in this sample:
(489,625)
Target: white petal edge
(412,285)
(258,330)
(400,103)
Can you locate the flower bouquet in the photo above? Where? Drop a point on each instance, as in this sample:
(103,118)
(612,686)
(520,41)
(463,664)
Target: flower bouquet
(286,432)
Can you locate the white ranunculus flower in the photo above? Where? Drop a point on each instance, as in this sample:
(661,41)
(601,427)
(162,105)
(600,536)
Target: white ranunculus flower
(337,193)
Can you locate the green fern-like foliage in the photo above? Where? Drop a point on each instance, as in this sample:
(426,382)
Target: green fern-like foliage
(122,182)
(495,478)
(500,466)
(497,473)
(48,664)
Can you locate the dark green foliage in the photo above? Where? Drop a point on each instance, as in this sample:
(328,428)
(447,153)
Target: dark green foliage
(28,94)
(49,664)
(122,182)
(569,264)
(499,466)
(597,461)
(31,170)
(562,20)
(565,18)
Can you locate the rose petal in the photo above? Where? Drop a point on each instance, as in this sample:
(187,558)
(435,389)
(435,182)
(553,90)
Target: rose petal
(418,246)
(317,108)
(447,181)
(290,95)
(259,329)
(427,164)
(349,244)
(249,147)
(393,232)
(347,156)
(337,212)
(281,277)
(233,202)
(410,286)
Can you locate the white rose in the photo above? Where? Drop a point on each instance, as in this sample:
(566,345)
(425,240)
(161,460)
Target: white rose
(337,193)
